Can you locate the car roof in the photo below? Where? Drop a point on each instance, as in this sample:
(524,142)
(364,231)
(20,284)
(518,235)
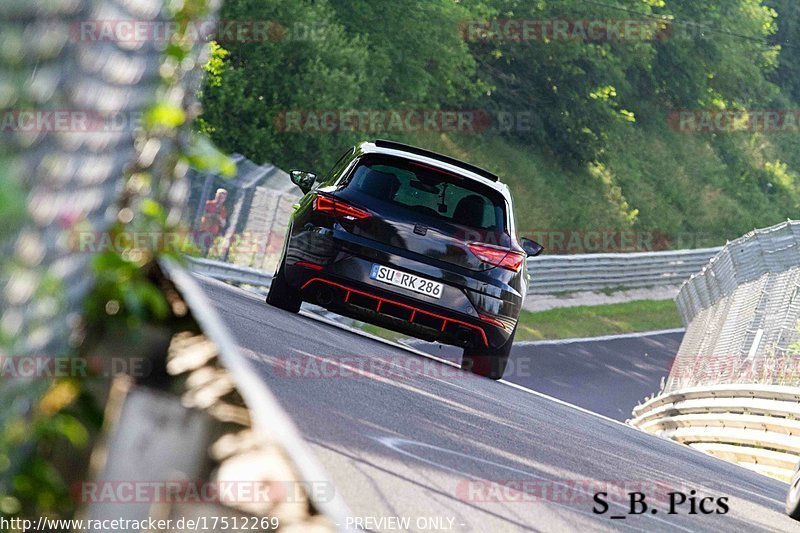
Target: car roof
(432,158)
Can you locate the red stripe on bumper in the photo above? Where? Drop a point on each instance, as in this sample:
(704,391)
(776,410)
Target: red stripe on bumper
(414,310)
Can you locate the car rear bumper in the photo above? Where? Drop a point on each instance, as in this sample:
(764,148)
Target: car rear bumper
(338,279)
(375,306)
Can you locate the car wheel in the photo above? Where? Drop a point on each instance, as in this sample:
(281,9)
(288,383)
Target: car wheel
(282,295)
(487,362)
(793,497)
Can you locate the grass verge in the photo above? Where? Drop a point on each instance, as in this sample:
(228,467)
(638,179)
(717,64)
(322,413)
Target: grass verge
(598,320)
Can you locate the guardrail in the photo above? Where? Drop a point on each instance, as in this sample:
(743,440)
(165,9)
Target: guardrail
(549,274)
(271,423)
(229,272)
(742,311)
(592,272)
(747,259)
(733,388)
(67,180)
(755,426)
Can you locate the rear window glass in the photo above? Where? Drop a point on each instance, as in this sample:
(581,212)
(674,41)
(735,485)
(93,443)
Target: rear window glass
(428,193)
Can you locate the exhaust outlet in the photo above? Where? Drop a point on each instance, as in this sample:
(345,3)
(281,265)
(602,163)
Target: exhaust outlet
(463,337)
(325,296)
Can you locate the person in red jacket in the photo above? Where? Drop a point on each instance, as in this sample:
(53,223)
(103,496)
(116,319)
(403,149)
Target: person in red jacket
(215,217)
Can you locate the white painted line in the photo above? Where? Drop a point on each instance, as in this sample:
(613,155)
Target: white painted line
(404,347)
(408,345)
(526,390)
(407,348)
(685,447)
(444,361)
(531,391)
(601,339)
(565,404)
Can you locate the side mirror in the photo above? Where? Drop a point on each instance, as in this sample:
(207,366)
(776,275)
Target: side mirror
(532,248)
(304,180)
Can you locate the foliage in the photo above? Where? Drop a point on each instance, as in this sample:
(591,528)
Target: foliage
(787,37)
(47,425)
(306,68)
(417,56)
(596,150)
(12,206)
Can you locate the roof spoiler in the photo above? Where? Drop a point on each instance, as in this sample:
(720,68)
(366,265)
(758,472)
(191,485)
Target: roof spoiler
(433,155)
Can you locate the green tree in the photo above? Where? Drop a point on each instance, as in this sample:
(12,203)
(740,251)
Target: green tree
(714,54)
(308,63)
(787,37)
(575,88)
(417,53)
(696,53)
(337,56)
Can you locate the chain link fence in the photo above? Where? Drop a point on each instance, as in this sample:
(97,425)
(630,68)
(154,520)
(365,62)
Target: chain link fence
(96,135)
(742,314)
(62,164)
(70,112)
(62,176)
(260,200)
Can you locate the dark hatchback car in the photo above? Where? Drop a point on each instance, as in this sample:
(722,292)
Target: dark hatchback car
(413,241)
(793,496)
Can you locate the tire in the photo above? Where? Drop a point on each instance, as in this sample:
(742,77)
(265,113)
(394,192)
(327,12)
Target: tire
(486,362)
(793,496)
(282,295)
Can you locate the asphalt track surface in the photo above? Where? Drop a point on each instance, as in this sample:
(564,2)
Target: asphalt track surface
(607,376)
(414,444)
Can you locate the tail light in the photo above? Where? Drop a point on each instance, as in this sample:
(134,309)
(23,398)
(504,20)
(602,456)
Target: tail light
(307,264)
(498,256)
(339,208)
(492,321)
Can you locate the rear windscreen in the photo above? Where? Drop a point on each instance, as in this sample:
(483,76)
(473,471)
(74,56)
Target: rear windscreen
(428,192)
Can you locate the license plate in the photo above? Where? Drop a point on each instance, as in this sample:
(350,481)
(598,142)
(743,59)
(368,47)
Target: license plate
(406,280)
